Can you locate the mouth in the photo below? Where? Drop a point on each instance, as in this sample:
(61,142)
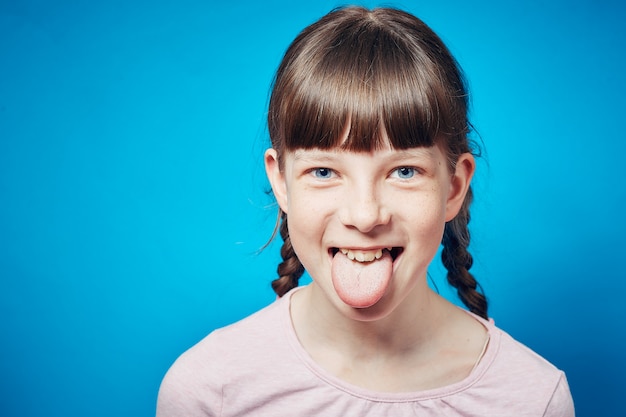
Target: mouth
(369,255)
(362,276)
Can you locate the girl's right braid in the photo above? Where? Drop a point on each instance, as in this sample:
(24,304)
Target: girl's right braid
(457,260)
(290,269)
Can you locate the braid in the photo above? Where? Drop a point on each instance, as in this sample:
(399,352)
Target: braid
(458,260)
(290,269)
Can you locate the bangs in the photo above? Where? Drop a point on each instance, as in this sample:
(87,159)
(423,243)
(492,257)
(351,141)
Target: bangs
(370,77)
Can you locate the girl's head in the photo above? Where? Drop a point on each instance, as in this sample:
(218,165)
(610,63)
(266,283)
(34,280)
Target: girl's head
(381,75)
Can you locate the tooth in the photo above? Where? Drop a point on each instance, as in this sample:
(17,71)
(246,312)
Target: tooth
(362,256)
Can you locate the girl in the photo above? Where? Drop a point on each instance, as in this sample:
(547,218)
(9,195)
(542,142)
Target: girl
(371,167)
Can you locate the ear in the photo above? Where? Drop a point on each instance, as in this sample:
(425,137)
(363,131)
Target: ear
(460,183)
(276,178)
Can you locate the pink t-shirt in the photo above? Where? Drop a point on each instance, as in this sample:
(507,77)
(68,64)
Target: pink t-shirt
(257,367)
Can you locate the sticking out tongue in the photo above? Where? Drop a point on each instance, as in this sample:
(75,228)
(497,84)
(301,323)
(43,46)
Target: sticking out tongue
(361,284)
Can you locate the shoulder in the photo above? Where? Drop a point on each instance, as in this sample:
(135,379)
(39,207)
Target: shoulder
(195,382)
(516,355)
(513,372)
(247,333)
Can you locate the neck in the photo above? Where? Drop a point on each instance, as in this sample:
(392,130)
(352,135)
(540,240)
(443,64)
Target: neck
(423,333)
(366,333)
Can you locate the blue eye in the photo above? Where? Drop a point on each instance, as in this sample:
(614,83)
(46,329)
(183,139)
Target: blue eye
(405,172)
(323,173)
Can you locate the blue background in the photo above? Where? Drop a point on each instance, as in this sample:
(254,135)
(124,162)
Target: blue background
(132,195)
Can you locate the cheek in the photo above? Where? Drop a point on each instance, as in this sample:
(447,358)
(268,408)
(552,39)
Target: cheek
(306,221)
(306,206)
(429,225)
(426,217)
(306,236)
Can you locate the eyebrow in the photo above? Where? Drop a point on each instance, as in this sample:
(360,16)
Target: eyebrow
(314,155)
(329,155)
(414,152)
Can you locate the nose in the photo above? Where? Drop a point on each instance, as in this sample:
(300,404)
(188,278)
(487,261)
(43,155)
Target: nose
(363,209)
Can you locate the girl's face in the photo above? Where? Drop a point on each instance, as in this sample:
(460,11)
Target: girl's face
(366,225)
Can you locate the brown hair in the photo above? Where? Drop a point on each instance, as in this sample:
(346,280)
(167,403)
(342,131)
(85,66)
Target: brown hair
(386,72)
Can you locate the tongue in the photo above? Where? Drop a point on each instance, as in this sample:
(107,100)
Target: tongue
(361,284)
